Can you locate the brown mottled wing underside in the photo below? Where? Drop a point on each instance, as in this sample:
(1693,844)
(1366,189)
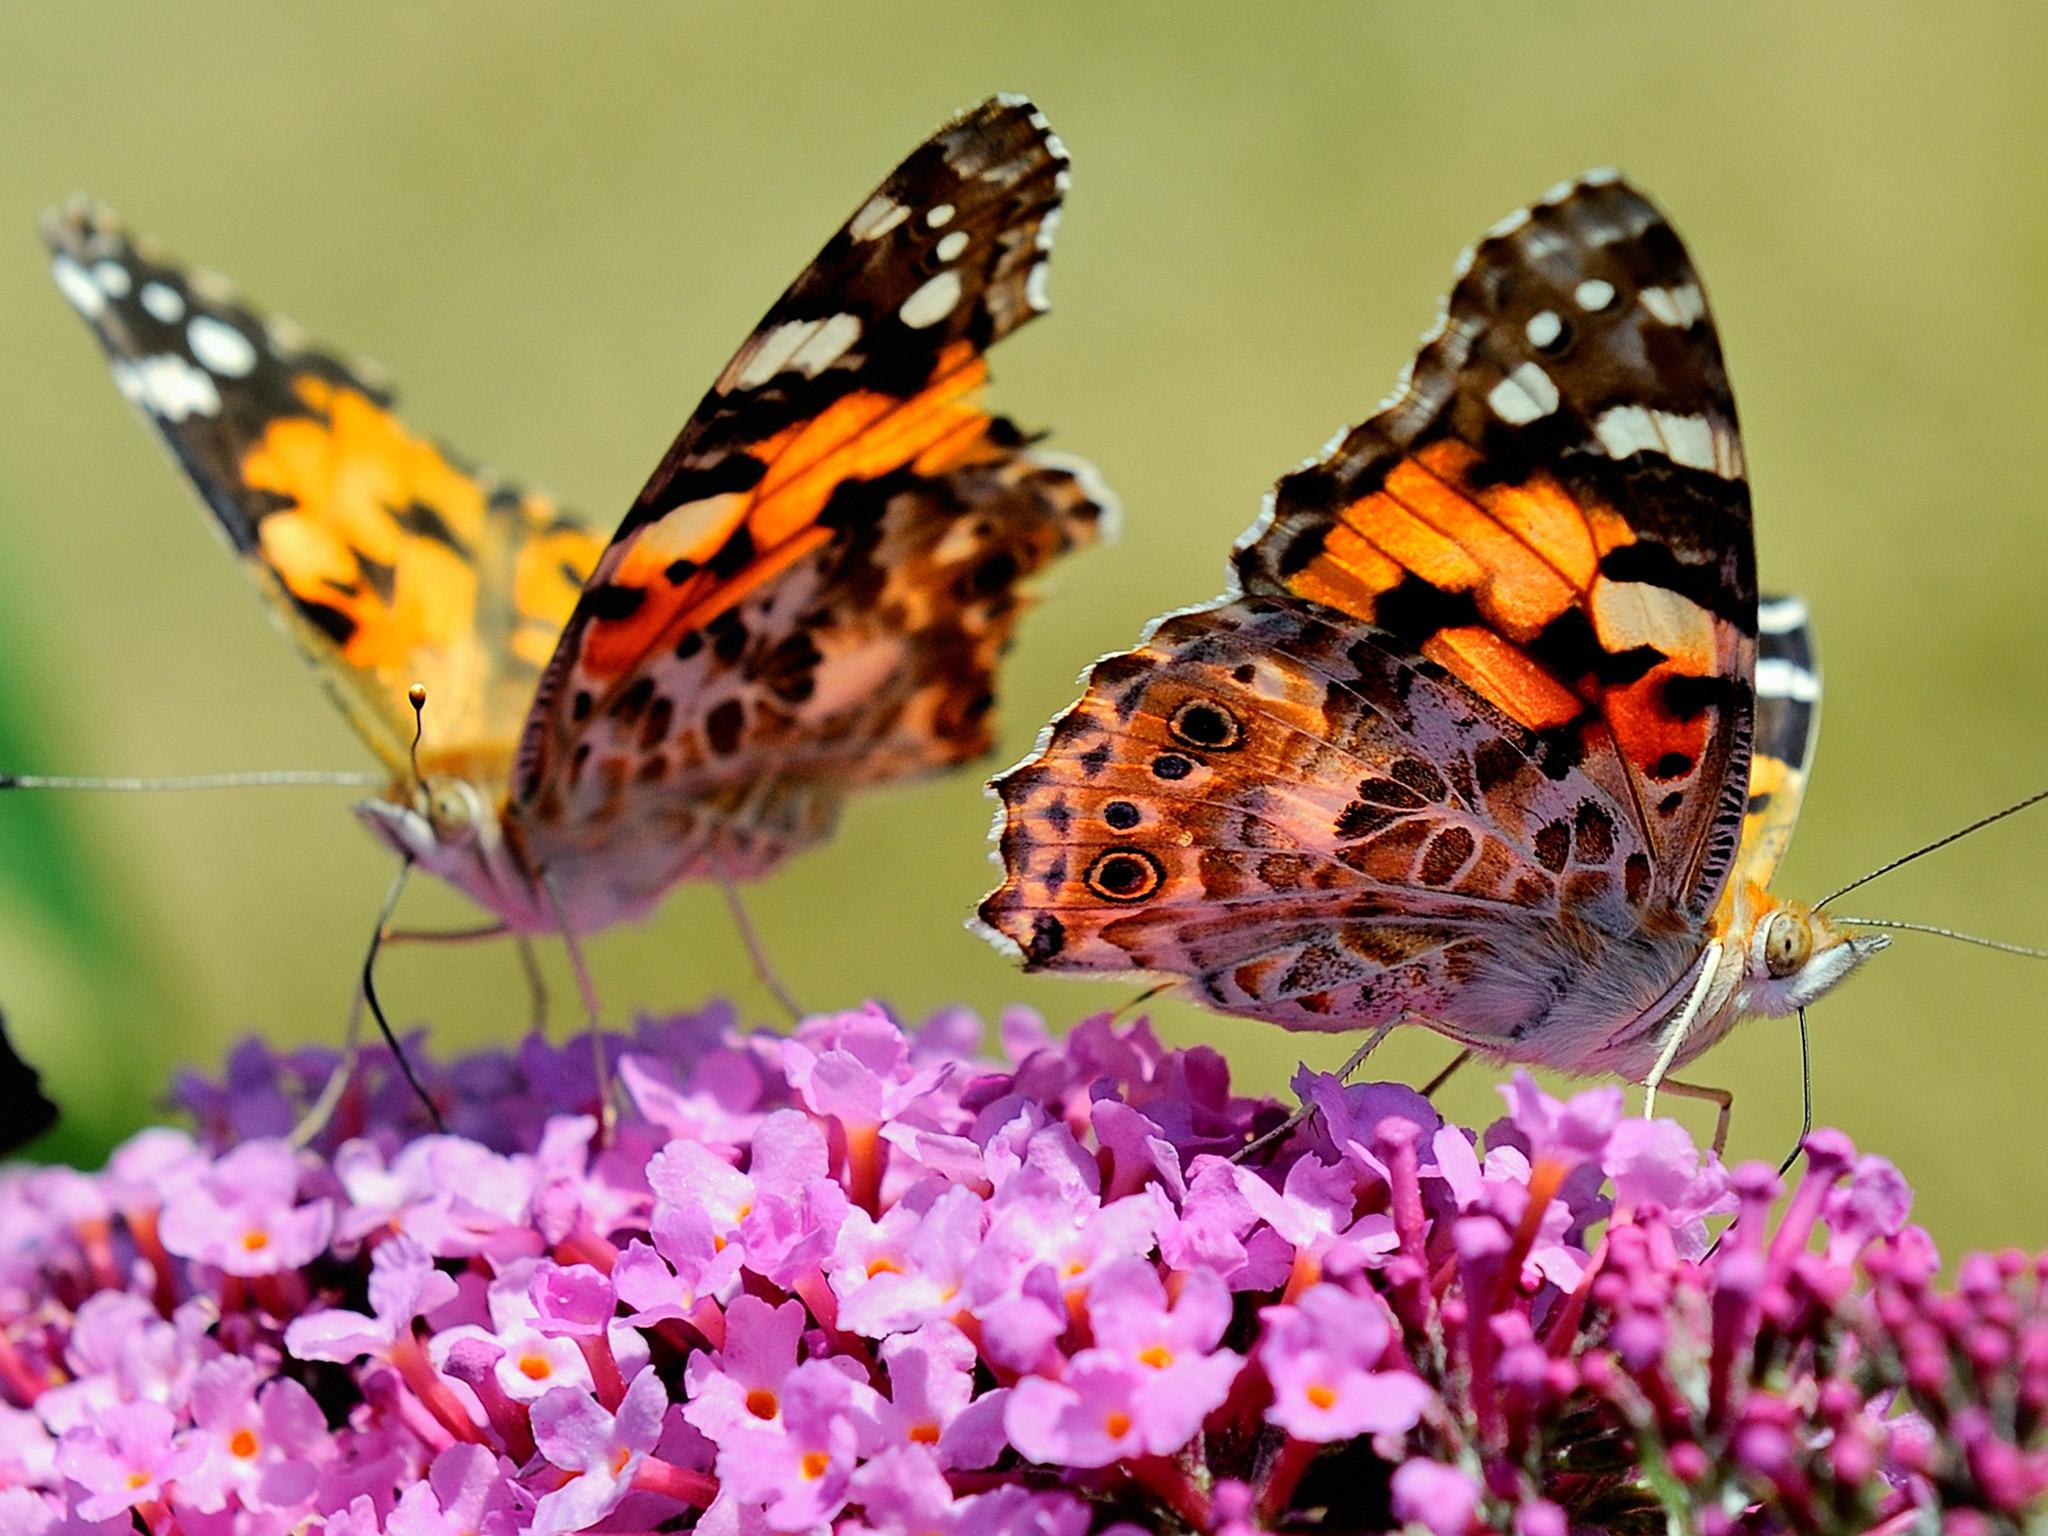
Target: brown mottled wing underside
(811,592)
(1482,706)
(1314,826)
(389,561)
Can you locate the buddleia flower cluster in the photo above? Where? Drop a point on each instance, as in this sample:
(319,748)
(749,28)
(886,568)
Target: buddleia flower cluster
(860,1280)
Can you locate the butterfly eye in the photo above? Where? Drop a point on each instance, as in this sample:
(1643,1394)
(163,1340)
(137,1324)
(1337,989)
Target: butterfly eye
(1788,944)
(1199,723)
(1125,874)
(448,808)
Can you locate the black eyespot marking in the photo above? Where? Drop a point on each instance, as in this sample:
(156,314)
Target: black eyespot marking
(1672,765)
(1209,726)
(1048,938)
(723,725)
(1121,815)
(1171,765)
(611,604)
(1125,874)
(579,707)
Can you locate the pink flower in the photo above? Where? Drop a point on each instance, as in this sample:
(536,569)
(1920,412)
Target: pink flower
(126,1457)
(1032,1298)
(601,1451)
(244,1217)
(1324,1356)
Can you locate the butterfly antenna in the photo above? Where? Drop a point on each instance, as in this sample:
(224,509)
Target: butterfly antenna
(1940,842)
(416,696)
(2025,950)
(255,780)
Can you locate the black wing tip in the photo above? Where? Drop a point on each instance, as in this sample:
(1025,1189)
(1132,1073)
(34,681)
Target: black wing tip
(25,1110)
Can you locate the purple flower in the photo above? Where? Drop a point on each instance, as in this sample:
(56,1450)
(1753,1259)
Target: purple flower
(1442,1500)
(860,1283)
(1324,1355)
(243,1215)
(800,1468)
(601,1451)
(125,1457)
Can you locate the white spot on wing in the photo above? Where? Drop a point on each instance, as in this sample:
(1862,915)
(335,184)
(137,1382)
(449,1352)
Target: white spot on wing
(825,348)
(1544,328)
(1780,615)
(950,248)
(172,388)
(932,302)
(1676,306)
(1034,289)
(939,215)
(1777,678)
(1693,441)
(220,347)
(1509,225)
(113,279)
(79,290)
(877,216)
(1594,293)
(1525,395)
(164,302)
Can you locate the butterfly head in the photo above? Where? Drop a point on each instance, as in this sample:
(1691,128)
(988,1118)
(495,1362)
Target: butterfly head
(447,825)
(1794,954)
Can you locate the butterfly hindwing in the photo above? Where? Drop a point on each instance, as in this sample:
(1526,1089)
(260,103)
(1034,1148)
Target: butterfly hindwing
(390,562)
(1311,826)
(1554,508)
(812,590)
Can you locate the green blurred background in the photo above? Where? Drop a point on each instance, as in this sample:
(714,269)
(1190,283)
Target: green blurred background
(554,223)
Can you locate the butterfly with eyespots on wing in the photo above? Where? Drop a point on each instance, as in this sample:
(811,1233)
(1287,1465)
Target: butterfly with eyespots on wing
(809,596)
(1492,734)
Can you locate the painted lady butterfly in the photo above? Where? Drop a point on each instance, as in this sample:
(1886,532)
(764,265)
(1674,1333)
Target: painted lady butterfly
(1493,734)
(809,596)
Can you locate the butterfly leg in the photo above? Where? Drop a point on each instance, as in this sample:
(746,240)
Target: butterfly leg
(600,1060)
(1351,1065)
(536,986)
(1722,1100)
(756,955)
(1141,1000)
(1428,1089)
(315,1118)
(1679,1027)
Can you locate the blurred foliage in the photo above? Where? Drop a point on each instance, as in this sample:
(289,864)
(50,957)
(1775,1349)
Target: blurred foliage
(555,222)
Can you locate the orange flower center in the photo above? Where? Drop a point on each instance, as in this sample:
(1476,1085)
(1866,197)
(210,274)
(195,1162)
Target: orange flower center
(255,1242)
(815,1464)
(1159,1357)
(243,1443)
(536,1367)
(761,1403)
(619,1459)
(1322,1396)
(926,1433)
(883,1266)
(1117,1422)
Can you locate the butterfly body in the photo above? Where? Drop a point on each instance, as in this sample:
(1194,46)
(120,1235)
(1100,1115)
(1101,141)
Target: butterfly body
(1493,734)
(808,597)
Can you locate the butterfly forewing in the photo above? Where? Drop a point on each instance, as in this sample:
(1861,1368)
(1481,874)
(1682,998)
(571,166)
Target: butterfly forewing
(812,591)
(1554,509)
(391,562)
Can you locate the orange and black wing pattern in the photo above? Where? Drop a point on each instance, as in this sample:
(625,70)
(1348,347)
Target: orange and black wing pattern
(811,591)
(389,560)
(1553,509)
